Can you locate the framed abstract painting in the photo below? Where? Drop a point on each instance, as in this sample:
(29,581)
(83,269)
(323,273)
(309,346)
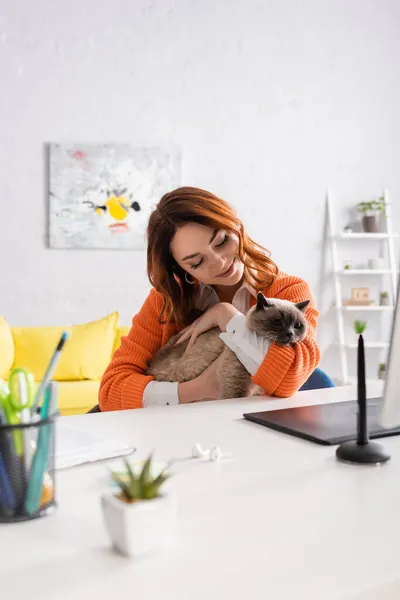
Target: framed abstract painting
(101,195)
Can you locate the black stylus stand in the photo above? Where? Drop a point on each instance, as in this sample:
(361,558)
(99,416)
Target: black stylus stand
(361,450)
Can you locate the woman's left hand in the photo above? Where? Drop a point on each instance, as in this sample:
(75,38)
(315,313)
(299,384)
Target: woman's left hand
(216,316)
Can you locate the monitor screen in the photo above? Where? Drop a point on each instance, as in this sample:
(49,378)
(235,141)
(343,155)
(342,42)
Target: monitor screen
(390,415)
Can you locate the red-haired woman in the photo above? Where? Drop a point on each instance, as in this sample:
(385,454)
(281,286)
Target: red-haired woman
(200,260)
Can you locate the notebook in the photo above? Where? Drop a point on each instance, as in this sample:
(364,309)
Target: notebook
(75,446)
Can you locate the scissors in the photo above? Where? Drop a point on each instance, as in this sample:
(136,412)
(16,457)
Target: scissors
(16,400)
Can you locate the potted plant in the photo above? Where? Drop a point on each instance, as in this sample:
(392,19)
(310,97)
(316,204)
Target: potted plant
(360,326)
(382,371)
(384,298)
(139,517)
(371,212)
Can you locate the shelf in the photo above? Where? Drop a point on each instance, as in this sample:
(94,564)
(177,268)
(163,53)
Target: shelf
(364,272)
(365,236)
(375,345)
(367,308)
(359,271)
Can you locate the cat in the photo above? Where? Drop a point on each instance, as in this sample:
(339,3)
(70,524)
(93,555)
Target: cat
(279,321)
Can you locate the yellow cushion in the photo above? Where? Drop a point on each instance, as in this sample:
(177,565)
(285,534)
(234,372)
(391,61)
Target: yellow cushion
(7,349)
(86,353)
(122,330)
(77,397)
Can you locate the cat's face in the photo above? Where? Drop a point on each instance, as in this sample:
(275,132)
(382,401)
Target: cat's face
(279,321)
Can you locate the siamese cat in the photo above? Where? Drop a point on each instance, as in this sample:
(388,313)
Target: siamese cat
(278,321)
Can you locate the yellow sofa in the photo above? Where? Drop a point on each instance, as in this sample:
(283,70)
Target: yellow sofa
(83,361)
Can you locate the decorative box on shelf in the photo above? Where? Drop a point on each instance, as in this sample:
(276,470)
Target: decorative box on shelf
(359,297)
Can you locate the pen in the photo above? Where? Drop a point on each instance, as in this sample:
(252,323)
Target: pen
(50,370)
(25,418)
(40,459)
(53,401)
(7,497)
(12,465)
(4,392)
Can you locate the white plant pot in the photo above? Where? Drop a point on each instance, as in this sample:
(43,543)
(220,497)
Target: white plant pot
(138,528)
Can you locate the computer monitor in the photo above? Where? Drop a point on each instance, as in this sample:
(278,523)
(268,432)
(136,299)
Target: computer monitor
(390,413)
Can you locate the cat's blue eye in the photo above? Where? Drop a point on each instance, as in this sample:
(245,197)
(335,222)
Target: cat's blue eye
(297,325)
(197,265)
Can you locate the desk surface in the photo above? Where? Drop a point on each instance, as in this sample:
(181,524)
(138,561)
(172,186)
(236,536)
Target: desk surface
(281,520)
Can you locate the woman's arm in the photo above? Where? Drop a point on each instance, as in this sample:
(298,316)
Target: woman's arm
(165,393)
(284,369)
(124,384)
(124,381)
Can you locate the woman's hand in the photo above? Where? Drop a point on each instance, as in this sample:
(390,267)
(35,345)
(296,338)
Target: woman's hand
(204,387)
(216,316)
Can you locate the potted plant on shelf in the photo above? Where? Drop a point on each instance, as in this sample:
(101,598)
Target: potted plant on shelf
(360,326)
(139,517)
(371,212)
(381,371)
(384,298)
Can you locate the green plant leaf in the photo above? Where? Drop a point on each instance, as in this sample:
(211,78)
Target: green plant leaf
(360,326)
(134,485)
(161,478)
(142,486)
(373,206)
(150,492)
(145,474)
(153,488)
(132,476)
(124,487)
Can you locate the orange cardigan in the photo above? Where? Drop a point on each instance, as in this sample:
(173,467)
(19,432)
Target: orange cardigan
(282,373)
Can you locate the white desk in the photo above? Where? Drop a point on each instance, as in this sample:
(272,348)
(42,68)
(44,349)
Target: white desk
(283,520)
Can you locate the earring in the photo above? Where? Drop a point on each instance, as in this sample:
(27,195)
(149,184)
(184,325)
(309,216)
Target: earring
(188,281)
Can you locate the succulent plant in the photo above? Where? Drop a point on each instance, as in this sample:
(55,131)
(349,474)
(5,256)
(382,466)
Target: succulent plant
(360,326)
(142,486)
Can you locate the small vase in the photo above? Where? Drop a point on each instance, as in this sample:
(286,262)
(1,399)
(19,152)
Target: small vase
(371,224)
(141,527)
(384,300)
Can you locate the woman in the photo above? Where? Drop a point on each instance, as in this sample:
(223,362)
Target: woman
(200,261)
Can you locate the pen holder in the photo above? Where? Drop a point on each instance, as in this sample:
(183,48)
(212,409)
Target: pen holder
(27,481)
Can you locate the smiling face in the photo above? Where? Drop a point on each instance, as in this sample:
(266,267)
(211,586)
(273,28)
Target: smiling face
(208,255)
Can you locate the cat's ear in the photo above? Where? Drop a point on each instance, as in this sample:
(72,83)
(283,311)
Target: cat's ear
(302,305)
(262,302)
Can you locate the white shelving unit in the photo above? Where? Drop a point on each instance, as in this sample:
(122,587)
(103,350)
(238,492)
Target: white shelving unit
(368,345)
(365,236)
(387,237)
(365,272)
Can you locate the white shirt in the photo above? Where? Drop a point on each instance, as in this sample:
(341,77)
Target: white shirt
(249,348)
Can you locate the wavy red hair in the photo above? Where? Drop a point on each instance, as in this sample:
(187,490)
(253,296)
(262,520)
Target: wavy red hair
(175,209)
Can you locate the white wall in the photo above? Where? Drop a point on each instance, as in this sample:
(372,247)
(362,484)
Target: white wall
(271,102)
